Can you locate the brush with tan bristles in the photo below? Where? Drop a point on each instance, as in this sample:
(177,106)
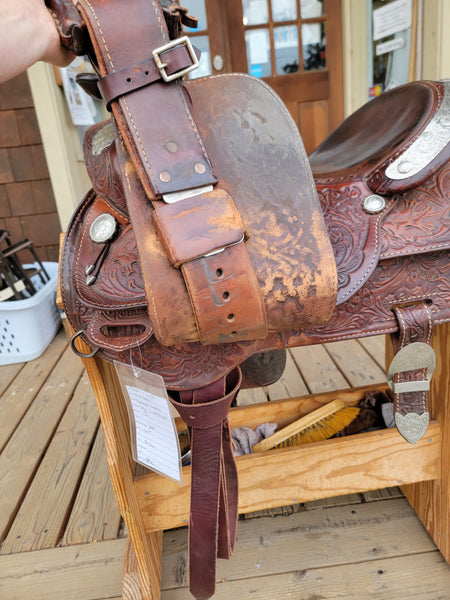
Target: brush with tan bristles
(319,425)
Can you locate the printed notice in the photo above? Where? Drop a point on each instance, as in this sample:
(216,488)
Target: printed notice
(155,437)
(392,18)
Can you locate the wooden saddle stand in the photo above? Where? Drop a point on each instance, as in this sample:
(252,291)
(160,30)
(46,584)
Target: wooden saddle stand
(210,237)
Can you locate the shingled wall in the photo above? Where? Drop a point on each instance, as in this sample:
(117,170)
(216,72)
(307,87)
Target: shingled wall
(27,205)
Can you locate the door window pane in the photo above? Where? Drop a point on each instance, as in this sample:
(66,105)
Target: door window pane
(310,9)
(257,43)
(196,8)
(284,10)
(204,67)
(314,42)
(256,12)
(286,49)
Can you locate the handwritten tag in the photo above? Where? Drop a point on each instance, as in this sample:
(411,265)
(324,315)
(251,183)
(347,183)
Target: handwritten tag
(154,438)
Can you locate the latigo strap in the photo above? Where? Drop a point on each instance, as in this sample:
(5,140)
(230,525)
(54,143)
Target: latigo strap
(214,483)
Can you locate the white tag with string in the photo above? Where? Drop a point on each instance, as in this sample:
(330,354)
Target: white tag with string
(154,438)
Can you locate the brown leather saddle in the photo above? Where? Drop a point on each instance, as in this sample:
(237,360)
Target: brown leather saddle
(209,237)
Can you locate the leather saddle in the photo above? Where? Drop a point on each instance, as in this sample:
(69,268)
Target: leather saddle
(209,237)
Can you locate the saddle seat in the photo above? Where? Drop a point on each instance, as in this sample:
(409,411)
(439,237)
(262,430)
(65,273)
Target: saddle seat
(375,135)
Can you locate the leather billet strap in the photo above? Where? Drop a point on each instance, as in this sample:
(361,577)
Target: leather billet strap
(411,370)
(177,59)
(156,118)
(205,237)
(214,484)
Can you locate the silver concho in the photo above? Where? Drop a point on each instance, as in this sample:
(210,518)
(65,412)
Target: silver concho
(374,204)
(427,146)
(412,426)
(103,228)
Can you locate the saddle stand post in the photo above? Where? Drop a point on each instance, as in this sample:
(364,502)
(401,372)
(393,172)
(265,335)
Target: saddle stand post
(150,504)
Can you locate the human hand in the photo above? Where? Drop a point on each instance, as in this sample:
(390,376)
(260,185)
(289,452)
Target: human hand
(28,34)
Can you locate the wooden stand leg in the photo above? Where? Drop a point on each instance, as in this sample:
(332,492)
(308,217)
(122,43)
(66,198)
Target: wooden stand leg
(431,499)
(131,582)
(144,555)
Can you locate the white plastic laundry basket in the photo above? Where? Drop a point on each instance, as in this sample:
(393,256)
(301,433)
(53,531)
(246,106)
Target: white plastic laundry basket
(28,326)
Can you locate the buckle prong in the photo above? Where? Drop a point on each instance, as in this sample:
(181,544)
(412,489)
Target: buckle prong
(162,65)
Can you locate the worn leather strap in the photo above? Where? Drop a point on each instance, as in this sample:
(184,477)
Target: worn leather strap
(411,407)
(205,237)
(153,117)
(214,485)
(132,78)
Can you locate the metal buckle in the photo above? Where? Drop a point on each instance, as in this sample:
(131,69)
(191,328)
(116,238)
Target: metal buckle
(410,358)
(162,65)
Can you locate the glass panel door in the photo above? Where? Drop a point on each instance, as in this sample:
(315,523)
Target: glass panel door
(199,37)
(276,29)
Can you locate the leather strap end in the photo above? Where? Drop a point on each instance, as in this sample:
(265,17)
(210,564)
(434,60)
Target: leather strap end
(411,370)
(198,226)
(70,25)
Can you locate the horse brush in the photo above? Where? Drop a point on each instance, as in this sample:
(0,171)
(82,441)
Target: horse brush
(319,425)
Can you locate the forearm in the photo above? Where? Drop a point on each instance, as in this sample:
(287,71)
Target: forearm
(27,35)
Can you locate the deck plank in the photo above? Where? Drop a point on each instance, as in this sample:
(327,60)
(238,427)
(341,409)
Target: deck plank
(7,374)
(355,363)
(84,572)
(95,515)
(309,540)
(21,456)
(376,347)
(24,387)
(416,577)
(290,384)
(56,481)
(318,370)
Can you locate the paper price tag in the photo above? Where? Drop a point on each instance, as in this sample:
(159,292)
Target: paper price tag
(154,438)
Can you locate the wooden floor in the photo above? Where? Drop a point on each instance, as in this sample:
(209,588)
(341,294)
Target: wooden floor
(62,536)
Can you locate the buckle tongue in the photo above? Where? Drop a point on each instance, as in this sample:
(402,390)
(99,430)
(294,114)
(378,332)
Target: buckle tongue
(162,65)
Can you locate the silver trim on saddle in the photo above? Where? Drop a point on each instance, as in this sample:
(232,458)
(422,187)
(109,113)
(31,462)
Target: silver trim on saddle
(427,146)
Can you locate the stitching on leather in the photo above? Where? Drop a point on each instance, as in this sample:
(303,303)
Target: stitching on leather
(125,103)
(64,255)
(157,325)
(194,126)
(402,329)
(160,21)
(100,30)
(369,268)
(123,346)
(197,134)
(430,324)
(429,248)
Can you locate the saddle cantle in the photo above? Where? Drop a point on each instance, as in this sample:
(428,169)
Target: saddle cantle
(208,237)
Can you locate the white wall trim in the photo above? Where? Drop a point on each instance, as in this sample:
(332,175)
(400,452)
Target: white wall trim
(68,174)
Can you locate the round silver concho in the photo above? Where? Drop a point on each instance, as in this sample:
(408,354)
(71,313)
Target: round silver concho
(374,204)
(103,228)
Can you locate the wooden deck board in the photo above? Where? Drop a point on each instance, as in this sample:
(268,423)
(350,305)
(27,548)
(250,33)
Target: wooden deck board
(354,546)
(309,540)
(24,386)
(95,515)
(290,384)
(21,457)
(56,481)
(318,369)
